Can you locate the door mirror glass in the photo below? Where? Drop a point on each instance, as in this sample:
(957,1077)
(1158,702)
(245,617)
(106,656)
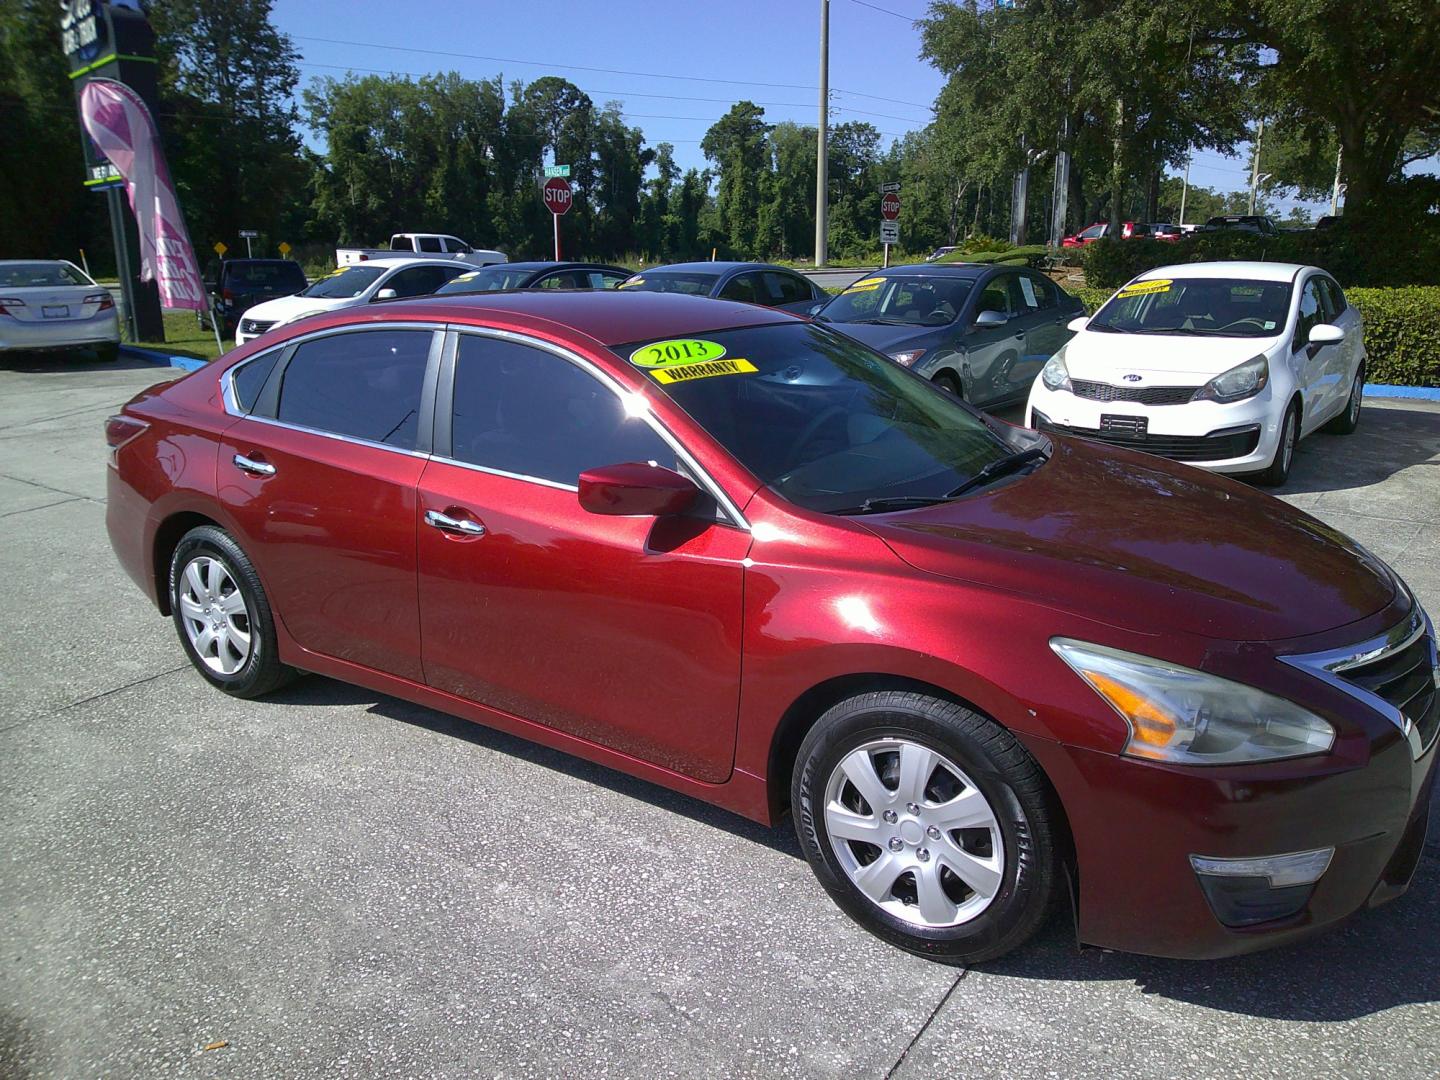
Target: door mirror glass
(991,318)
(386,294)
(636,490)
(1076,325)
(1326,334)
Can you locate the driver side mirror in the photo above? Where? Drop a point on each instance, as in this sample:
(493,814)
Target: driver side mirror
(1076,325)
(1326,334)
(386,294)
(991,318)
(636,490)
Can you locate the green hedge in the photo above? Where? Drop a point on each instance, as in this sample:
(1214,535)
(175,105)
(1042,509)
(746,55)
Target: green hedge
(1402,331)
(1030,255)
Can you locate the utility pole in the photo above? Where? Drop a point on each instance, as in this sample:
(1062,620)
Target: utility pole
(822,146)
(1255,164)
(1335,194)
(1185,187)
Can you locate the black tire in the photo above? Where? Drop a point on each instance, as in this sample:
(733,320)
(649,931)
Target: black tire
(1279,470)
(1014,788)
(950,384)
(107,354)
(1349,420)
(261,671)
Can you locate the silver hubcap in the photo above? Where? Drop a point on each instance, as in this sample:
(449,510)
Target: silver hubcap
(913,833)
(1356,393)
(1288,447)
(214,615)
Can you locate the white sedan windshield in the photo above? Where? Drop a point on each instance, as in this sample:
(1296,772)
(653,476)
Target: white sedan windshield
(1200,306)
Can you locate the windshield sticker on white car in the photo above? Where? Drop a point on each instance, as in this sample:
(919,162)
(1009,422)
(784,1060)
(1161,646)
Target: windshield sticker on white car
(674,352)
(1145,288)
(686,372)
(1028,288)
(868,284)
(632,281)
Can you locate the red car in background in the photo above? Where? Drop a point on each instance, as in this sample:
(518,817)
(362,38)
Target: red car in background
(1128,230)
(738,554)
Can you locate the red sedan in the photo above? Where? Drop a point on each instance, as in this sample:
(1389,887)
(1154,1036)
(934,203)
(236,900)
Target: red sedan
(735,553)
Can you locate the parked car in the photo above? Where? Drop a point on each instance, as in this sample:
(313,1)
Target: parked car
(1163,230)
(50,305)
(408,245)
(1225,365)
(1091,233)
(237,285)
(537,275)
(1251,223)
(941,251)
(749,282)
(744,557)
(351,286)
(981,332)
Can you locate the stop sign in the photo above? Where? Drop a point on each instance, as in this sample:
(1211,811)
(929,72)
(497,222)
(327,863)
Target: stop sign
(890,206)
(556,194)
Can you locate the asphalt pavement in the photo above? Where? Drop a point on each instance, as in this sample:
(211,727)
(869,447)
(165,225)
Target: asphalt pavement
(333,883)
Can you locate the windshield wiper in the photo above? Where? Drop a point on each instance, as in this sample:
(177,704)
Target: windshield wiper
(997,469)
(891,502)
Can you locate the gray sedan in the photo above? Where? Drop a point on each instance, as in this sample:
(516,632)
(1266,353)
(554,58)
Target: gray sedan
(981,332)
(52,305)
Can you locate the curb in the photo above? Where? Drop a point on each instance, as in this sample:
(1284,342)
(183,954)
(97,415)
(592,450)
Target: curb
(1383,390)
(152,356)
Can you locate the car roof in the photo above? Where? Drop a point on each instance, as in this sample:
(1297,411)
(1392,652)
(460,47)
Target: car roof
(607,316)
(32,262)
(395,264)
(552,265)
(1254,271)
(968,271)
(715,267)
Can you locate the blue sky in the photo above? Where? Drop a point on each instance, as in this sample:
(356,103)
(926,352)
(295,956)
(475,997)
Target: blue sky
(674,67)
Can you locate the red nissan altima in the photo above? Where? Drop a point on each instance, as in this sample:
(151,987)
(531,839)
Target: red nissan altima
(737,554)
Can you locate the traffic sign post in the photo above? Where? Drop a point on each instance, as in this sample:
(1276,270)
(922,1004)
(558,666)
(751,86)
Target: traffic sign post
(247,235)
(558,198)
(889,216)
(285,249)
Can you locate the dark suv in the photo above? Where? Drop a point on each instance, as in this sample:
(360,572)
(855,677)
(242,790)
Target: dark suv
(236,285)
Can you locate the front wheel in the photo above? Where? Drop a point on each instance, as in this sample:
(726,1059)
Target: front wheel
(928,824)
(950,384)
(1279,470)
(223,615)
(1349,420)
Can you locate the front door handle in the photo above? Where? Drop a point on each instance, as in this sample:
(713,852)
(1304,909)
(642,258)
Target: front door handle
(446,523)
(253,467)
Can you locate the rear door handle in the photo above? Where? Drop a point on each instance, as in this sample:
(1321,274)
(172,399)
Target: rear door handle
(446,523)
(253,467)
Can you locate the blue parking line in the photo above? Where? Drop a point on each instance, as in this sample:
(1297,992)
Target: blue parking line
(1383,390)
(154,356)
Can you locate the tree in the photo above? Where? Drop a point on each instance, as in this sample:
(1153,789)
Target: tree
(736,143)
(657,234)
(620,163)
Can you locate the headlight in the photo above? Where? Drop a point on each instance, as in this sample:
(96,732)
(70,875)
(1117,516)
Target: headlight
(1055,375)
(907,358)
(1240,382)
(1190,718)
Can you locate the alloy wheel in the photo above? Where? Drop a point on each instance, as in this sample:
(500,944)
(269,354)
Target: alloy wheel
(1287,447)
(914,833)
(1357,392)
(214,614)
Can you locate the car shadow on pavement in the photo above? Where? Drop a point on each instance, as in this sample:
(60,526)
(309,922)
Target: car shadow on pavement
(58,363)
(1379,959)
(318,690)
(1387,441)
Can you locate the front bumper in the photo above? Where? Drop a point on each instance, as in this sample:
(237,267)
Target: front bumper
(1237,438)
(102,328)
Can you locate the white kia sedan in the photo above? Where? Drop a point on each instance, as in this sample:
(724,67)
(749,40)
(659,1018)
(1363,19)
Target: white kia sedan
(351,286)
(1224,365)
(50,305)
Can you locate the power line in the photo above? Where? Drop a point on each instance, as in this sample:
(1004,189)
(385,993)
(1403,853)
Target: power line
(875,7)
(601,70)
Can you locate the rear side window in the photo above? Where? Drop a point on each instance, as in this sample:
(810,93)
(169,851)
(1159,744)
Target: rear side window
(365,385)
(786,288)
(427,243)
(249,379)
(528,412)
(742,288)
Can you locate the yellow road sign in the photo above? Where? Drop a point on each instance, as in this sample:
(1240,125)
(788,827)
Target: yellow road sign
(284,248)
(220,248)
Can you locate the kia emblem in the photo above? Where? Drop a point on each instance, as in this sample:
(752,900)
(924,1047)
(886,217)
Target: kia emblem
(1132,378)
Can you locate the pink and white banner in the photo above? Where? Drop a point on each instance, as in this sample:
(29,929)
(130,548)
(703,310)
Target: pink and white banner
(124,130)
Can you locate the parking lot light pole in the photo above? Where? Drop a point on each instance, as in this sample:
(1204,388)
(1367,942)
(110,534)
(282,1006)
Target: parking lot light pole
(822,145)
(1255,164)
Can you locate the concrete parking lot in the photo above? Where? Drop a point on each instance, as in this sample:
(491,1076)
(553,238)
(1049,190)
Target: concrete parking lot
(334,883)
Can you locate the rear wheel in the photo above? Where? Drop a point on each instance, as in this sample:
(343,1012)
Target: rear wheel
(1349,420)
(928,824)
(950,384)
(1279,470)
(223,616)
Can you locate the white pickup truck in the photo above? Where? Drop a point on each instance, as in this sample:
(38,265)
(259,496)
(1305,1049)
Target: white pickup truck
(407,245)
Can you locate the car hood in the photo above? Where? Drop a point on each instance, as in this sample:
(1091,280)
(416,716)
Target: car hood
(1148,545)
(1105,357)
(285,308)
(883,337)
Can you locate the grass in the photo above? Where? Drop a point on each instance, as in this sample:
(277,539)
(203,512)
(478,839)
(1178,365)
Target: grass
(183,337)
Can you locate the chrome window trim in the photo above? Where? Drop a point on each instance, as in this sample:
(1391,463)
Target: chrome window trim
(726,504)
(351,439)
(1328,666)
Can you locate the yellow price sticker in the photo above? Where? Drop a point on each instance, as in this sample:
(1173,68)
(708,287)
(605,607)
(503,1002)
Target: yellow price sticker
(1145,288)
(709,369)
(866,285)
(631,283)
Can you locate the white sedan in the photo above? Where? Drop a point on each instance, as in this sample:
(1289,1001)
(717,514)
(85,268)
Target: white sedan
(51,305)
(350,286)
(1225,365)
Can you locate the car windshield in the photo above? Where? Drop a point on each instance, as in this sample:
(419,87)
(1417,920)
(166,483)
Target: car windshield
(1219,307)
(822,420)
(900,301)
(277,274)
(31,275)
(488,280)
(346,283)
(692,283)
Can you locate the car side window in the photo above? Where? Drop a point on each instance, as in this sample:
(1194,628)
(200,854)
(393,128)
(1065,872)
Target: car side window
(421,280)
(742,287)
(1334,298)
(606,279)
(427,243)
(995,296)
(365,384)
(525,411)
(1042,289)
(786,288)
(1311,314)
(454,243)
(249,378)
